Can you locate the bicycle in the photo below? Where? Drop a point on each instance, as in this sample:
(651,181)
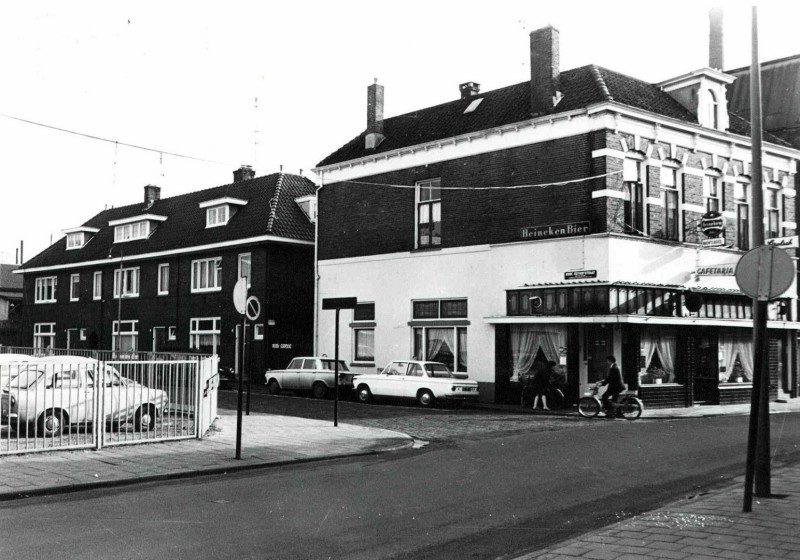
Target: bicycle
(626,404)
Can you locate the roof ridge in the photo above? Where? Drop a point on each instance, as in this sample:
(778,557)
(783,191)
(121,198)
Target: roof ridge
(273,203)
(600,82)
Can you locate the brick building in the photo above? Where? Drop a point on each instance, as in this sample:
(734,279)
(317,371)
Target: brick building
(176,261)
(558,219)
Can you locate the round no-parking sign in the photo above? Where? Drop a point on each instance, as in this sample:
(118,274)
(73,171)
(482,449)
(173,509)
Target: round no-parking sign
(253,308)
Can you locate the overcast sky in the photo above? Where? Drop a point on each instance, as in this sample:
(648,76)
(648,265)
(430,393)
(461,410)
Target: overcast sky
(183,77)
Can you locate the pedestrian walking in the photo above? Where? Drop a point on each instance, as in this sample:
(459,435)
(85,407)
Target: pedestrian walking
(541,382)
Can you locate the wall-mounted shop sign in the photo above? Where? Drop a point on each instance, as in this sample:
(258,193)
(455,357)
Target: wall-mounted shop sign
(716,270)
(712,224)
(713,242)
(557,230)
(580,274)
(783,242)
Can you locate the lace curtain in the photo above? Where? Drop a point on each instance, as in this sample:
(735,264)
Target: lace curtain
(438,338)
(665,343)
(526,340)
(736,345)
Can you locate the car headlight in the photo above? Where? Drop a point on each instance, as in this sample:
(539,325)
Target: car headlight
(13,402)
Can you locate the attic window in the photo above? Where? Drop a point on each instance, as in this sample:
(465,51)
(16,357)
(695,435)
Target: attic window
(78,237)
(219,211)
(472,106)
(75,240)
(308,204)
(135,227)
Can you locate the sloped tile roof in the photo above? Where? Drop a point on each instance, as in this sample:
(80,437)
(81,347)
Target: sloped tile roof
(580,87)
(9,281)
(186,221)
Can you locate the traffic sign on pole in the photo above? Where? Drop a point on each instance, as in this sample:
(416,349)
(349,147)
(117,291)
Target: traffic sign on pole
(765,272)
(253,308)
(240,295)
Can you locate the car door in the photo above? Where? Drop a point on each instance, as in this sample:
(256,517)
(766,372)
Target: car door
(288,377)
(69,392)
(306,375)
(396,379)
(413,380)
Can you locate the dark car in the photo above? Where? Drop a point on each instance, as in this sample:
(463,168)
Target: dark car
(227,378)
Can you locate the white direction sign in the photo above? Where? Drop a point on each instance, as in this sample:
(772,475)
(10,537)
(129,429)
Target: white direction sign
(253,308)
(240,295)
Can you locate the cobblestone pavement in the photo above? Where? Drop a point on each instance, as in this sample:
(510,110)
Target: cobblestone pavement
(706,526)
(438,424)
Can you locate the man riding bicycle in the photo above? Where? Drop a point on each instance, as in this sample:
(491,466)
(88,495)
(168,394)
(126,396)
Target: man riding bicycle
(615,385)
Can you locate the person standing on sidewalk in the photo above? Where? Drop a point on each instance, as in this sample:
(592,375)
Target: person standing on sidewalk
(541,382)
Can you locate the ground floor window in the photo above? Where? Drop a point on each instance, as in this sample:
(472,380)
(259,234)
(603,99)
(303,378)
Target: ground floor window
(533,346)
(44,335)
(447,345)
(204,334)
(125,336)
(657,356)
(735,358)
(364,345)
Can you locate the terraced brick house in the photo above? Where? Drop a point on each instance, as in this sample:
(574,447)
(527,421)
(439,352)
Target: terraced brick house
(558,219)
(159,275)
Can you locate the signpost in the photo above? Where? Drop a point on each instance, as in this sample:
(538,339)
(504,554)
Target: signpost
(239,302)
(337,304)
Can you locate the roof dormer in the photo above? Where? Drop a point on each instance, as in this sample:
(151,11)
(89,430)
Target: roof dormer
(703,93)
(135,227)
(78,237)
(219,211)
(308,204)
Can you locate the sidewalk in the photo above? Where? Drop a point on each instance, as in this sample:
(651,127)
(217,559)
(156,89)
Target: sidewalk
(708,526)
(266,440)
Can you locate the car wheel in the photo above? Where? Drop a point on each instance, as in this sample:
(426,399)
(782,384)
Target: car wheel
(319,390)
(425,398)
(273,387)
(51,423)
(364,395)
(145,419)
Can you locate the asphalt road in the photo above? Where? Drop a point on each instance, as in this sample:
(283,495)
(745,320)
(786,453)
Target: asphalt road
(458,498)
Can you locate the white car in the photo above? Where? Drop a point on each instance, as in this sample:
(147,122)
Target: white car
(309,373)
(9,365)
(52,393)
(424,381)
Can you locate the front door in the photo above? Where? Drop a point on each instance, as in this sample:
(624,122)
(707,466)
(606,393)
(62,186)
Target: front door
(706,373)
(599,345)
(159,338)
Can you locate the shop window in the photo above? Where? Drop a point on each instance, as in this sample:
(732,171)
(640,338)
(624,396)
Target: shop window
(657,356)
(735,357)
(447,345)
(532,346)
(512,307)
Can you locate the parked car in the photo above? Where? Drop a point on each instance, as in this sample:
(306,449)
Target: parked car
(227,378)
(52,393)
(9,365)
(424,381)
(309,373)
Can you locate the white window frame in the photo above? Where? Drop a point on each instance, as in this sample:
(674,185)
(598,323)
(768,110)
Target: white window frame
(455,329)
(132,331)
(46,286)
(638,182)
(708,180)
(130,282)
(163,287)
(356,330)
(218,216)
(201,272)
(172,333)
(75,287)
(771,189)
(249,257)
(418,204)
(82,334)
(97,285)
(194,331)
(132,232)
(258,331)
(75,240)
(674,173)
(39,333)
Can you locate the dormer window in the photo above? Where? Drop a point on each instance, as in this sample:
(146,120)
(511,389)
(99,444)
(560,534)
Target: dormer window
(135,227)
(308,204)
(78,237)
(712,109)
(703,93)
(220,211)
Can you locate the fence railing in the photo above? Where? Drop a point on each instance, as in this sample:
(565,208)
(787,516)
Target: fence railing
(104,355)
(79,402)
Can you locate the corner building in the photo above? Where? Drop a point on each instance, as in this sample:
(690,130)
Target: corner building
(175,262)
(559,219)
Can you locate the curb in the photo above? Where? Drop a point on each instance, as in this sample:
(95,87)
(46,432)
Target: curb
(102,484)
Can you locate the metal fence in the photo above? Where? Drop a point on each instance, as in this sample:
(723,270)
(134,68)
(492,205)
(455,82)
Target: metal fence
(73,402)
(104,355)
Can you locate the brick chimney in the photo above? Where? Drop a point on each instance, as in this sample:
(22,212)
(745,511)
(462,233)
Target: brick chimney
(152,193)
(244,173)
(469,89)
(716,47)
(545,73)
(374,116)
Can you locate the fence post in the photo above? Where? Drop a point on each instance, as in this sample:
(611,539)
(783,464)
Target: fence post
(98,426)
(198,398)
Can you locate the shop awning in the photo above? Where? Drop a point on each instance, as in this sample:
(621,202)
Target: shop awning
(638,320)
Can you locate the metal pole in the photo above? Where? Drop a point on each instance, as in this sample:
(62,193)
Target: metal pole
(118,341)
(758,433)
(239,402)
(336,375)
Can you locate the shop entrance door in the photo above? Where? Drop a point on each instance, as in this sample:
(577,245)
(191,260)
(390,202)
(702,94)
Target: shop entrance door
(706,370)
(599,345)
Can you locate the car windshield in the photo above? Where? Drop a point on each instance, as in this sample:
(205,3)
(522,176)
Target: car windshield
(329,364)
(437,370)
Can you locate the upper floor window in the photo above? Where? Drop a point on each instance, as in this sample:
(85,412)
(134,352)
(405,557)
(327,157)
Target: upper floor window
(714,193)
(244,267)
(429,213)
(440,309)
(132,232)
(163,279)
(740,194)
(364,332)
(217,215)
(97,285)
(207,275)
(126,282)
(633,174)
(74,287)
(712,109)
(669,184)
(772,208)
(308,204)
(46,289)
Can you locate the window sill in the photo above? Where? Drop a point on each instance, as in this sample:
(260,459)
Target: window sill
(162,294)
(654,385)
(743,385)
(362,324)
(439,323)
(46,301)
(206,291)
(361,364)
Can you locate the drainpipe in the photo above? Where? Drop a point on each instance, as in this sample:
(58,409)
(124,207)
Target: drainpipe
(316,267)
